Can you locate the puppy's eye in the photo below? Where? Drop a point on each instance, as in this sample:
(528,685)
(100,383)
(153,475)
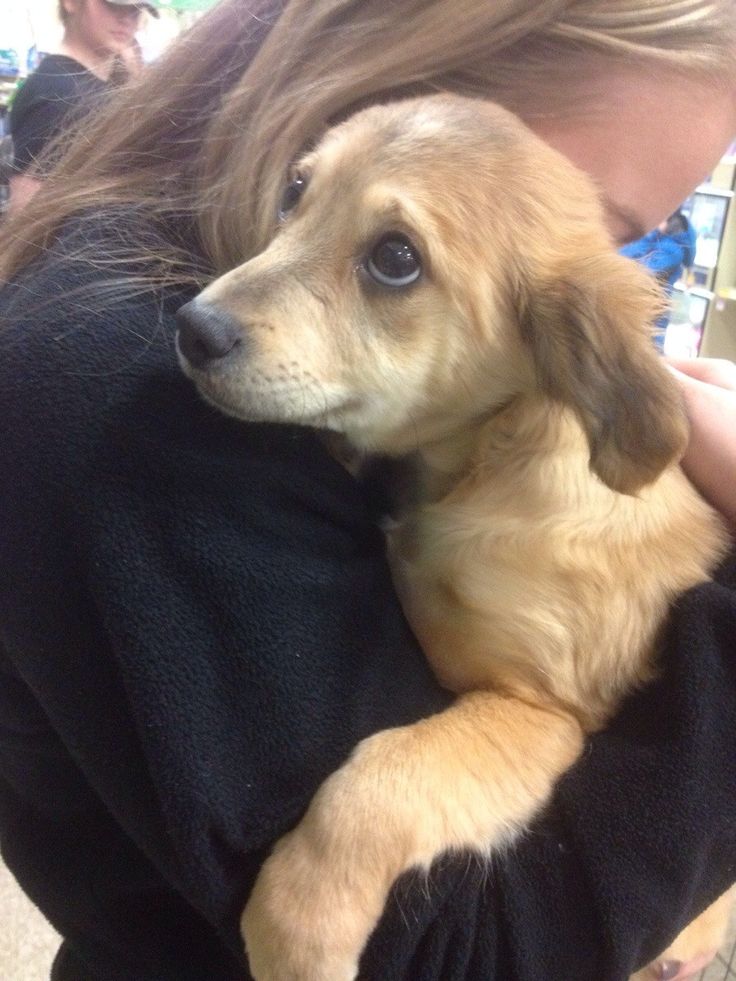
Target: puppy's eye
(292,193)
(394,261)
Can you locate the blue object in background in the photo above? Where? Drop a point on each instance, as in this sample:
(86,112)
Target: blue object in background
(9,62)
(667,251)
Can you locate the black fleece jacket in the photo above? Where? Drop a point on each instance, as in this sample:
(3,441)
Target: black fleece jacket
(197,624)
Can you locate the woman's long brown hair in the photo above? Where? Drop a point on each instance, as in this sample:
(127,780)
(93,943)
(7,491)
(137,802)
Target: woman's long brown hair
(201,143)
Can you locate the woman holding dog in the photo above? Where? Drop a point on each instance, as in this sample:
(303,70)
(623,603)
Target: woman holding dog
(197,621)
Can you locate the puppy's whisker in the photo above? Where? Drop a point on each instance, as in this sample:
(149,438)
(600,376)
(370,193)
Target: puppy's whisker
(311,289)
(323,416)
(416,428)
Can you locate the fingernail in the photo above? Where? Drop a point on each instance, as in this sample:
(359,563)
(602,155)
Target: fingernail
(667,970)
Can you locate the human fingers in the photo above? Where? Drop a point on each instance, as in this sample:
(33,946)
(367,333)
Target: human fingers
(713,371)
(710,458)
(679,970)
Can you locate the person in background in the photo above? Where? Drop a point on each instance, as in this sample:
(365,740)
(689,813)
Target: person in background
(197,619)
(97,47)
(667,251)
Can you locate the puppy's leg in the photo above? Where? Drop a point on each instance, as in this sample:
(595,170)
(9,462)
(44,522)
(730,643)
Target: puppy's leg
(696,945)
(469,777)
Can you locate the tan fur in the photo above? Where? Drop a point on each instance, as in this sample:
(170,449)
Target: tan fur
(555,528)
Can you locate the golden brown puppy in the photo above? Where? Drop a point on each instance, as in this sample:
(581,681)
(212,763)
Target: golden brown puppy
(442,284)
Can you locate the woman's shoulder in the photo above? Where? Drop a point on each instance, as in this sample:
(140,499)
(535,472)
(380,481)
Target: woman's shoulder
(85,304)
(90,382)
(82,332)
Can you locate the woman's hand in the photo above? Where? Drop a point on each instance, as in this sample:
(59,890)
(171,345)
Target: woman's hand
(709,388)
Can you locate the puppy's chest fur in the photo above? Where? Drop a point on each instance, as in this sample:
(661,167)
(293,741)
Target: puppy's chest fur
(519,569)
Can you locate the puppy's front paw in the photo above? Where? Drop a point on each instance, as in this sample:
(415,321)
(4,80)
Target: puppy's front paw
(301,922)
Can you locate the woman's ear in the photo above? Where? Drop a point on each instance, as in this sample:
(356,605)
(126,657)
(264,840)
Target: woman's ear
(589,332)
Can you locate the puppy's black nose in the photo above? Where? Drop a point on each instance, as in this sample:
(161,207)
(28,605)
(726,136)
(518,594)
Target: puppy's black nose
(205,333)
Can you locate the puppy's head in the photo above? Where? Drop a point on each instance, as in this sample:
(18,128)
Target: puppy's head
(434,259)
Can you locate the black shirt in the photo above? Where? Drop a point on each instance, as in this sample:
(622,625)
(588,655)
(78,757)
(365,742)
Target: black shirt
(197,624)
(54,95)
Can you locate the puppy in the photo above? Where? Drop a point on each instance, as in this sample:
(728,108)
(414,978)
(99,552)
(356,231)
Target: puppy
(442,285)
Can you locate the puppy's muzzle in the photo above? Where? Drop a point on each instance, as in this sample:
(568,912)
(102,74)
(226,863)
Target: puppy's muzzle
(206,335)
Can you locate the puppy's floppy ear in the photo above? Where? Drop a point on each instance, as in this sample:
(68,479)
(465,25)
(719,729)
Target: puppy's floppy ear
(589,333)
